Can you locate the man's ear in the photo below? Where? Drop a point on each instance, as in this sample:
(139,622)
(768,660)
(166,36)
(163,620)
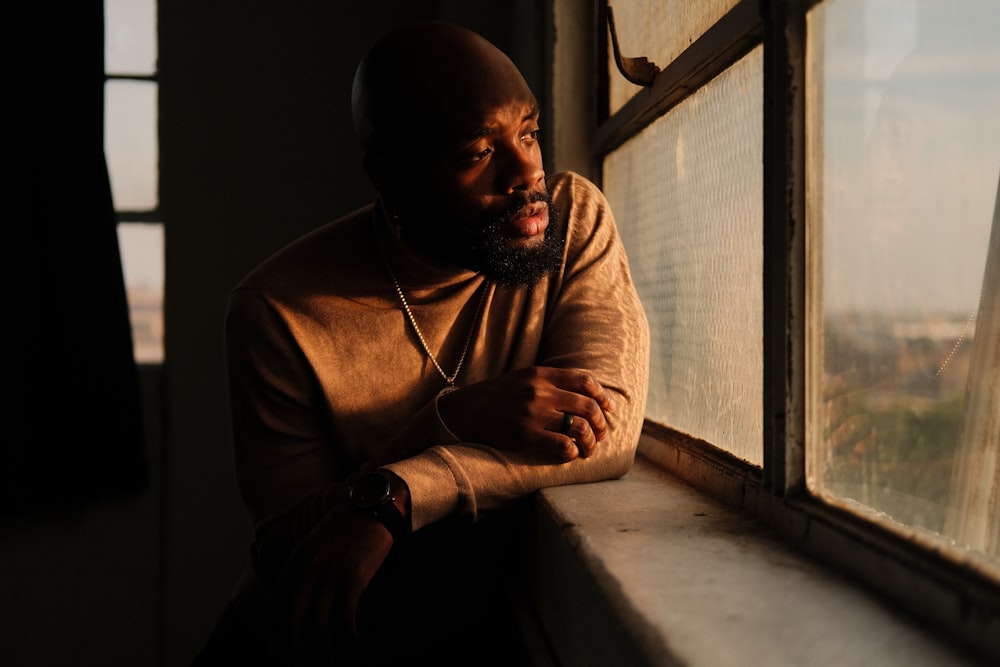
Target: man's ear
(377,172)
(387,178)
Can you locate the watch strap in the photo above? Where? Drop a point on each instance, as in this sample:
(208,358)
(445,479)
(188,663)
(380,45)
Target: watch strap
(392,519)
(372,494)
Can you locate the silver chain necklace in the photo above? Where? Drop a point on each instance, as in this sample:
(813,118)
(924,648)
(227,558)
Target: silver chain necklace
(449,379)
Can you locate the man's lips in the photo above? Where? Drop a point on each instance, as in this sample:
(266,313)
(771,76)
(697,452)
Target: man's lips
(529,221)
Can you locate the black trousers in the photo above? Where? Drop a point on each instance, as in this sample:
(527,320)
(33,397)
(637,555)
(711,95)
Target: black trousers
(443,597)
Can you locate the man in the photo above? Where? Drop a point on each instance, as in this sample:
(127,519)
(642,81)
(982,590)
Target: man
(401,377)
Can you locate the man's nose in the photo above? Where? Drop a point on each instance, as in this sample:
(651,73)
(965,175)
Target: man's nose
(522,168)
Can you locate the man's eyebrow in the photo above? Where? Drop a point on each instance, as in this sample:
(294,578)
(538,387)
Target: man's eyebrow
(477,133)
(487,130)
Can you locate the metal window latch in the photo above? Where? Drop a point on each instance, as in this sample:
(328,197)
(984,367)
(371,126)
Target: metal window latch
(639,71)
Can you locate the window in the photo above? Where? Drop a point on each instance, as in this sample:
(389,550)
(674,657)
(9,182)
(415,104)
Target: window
(905,151)
(808,193)
(688,189)
(131,150)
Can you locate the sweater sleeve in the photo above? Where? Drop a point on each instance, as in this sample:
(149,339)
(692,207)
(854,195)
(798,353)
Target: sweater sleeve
(594,322)
(289,469)
(281,450)
(286,453)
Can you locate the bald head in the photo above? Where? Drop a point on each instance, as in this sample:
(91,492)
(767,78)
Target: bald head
(429,72)
(450,132)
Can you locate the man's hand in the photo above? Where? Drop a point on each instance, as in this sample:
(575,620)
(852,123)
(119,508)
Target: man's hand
(315,597)
(524,410)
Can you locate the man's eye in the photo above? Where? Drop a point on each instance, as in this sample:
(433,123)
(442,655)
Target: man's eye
(532,135)
(477,156)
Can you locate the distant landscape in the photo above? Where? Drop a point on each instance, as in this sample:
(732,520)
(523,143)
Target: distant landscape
(893,411)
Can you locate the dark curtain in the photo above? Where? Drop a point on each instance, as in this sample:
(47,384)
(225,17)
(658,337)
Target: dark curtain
(77,432)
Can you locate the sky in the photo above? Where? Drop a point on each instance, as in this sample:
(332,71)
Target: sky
(910,120)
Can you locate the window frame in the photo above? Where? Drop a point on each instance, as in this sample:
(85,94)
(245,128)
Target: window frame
(959,600)
(153,216)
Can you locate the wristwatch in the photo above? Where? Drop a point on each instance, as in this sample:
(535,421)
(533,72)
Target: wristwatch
(372,494)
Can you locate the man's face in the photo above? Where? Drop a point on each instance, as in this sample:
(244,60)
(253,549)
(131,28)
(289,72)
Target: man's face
(477,195)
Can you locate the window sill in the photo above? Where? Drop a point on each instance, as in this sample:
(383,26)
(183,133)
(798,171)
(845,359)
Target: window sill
(646,570)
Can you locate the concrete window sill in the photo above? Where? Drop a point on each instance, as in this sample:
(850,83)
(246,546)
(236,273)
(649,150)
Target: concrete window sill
(648,571)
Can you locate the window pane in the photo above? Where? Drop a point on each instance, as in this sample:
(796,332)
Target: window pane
(905,159)
(686,193)
(130,144)
(130,36)
(142,264)
(658,30)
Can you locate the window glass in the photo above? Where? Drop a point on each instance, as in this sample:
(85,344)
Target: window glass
(658,30)
(141,247)
(687,196)
(130,36)
(130,143)
(904,162)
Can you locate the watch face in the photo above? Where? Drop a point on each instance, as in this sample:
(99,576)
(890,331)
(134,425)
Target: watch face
(370,491)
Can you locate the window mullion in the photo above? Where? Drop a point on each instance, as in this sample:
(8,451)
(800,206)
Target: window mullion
(784,246)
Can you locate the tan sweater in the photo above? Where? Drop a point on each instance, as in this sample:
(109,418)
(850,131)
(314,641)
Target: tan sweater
(327,376)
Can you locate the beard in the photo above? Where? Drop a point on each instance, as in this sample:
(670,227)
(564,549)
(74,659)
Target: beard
(482,246)
(485,247)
